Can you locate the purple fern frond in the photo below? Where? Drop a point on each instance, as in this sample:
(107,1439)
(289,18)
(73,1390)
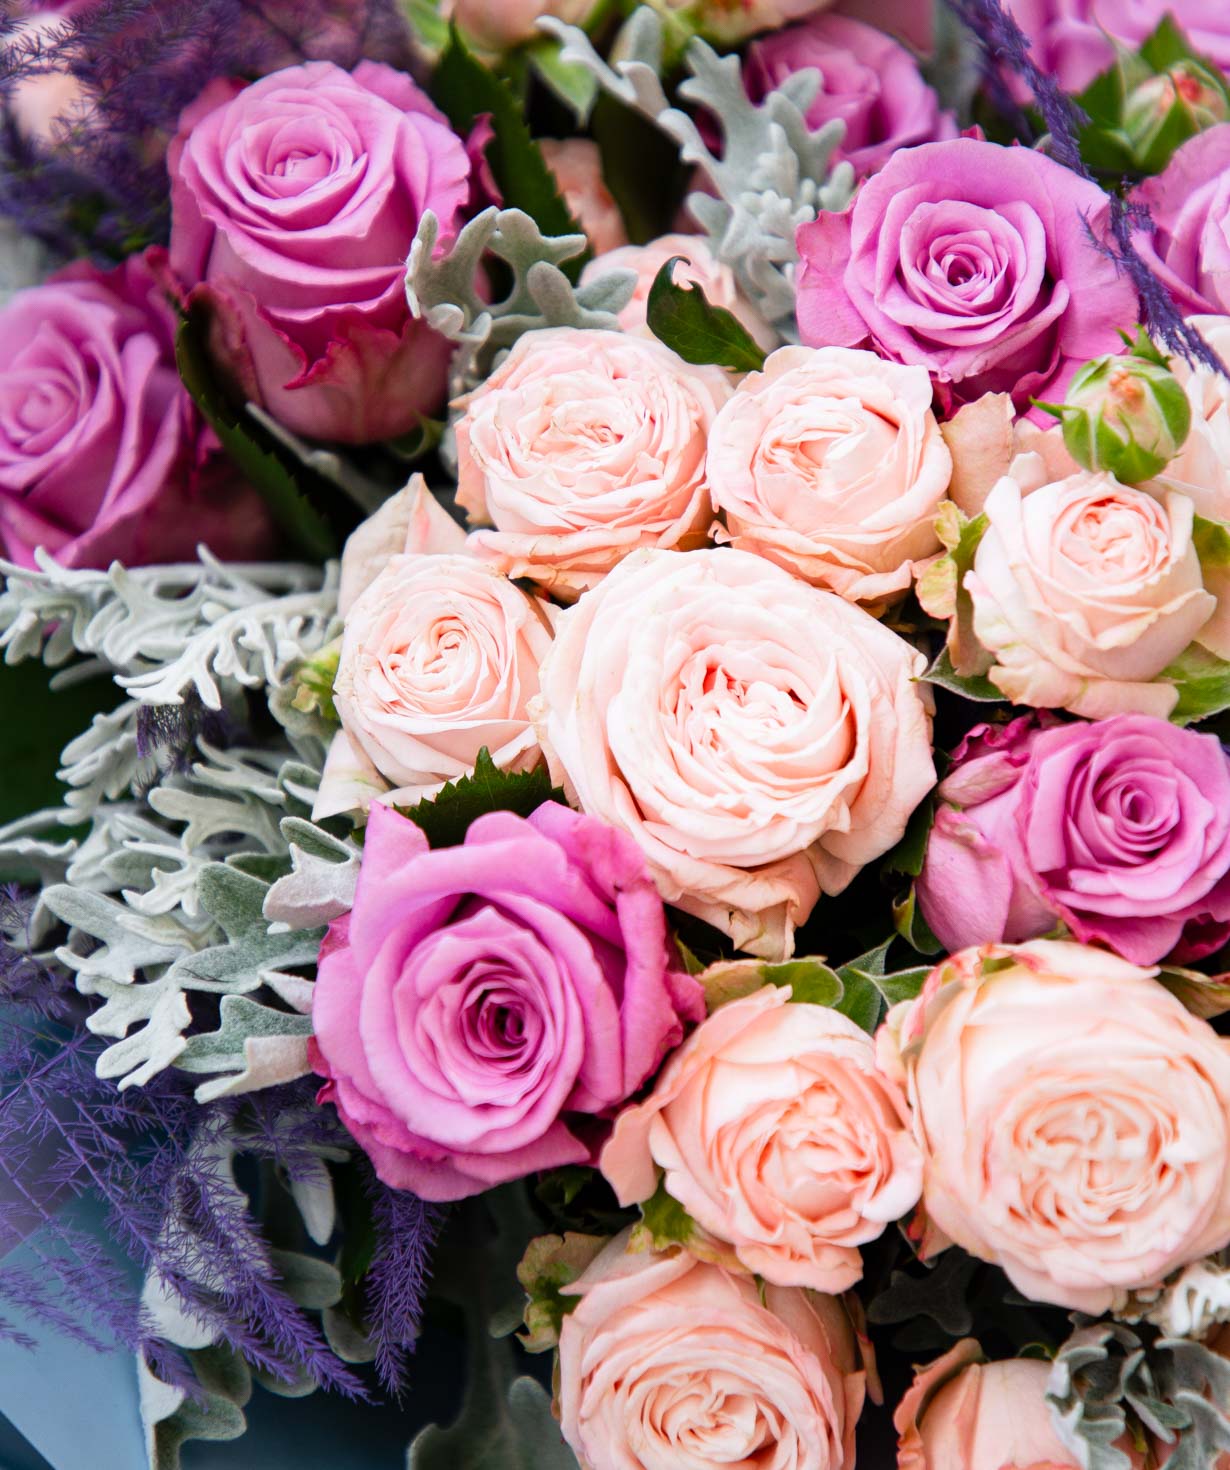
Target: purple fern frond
(406,1231)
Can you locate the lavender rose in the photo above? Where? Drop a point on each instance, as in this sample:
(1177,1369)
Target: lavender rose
(1189,203)
(973,260)
(1120,828)
(294,202)
(870,82)
(477,996)
(102,454)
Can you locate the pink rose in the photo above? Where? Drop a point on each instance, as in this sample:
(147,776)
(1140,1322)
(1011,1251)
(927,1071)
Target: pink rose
(973,260)
(761,740)
(499,25)
(869,82)
(294,203)
(102,455)
(831,464)
(576,164)
(963,1413)
(581,447)
(1120,829)
(1201,469)
(702,268)
(1085,590)
(1073,40)
(1074,1119)
(669,1361)
(47,105)
(777,1134)
(1188,203)
(477,997)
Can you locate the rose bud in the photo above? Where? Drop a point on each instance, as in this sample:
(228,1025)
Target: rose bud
(1149,107)
(1124,415)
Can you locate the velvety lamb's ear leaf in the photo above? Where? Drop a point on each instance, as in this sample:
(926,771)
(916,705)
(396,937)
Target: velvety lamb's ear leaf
(1203,682)
(446,818)
(464,90)
(248,446)
(683,318)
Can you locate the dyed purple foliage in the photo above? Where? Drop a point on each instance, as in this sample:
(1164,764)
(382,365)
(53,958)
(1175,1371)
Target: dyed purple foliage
(406,1230)
(1004,47)
(172,731)
(103,190)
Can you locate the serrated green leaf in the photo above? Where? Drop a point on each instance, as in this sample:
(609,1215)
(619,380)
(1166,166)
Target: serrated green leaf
(1203,682)
(683,318)
(446,818)
(976,686)
(245,443)
(664,1219)
(464,89)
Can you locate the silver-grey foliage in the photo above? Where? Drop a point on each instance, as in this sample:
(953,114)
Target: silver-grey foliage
(444,289)
(771,174)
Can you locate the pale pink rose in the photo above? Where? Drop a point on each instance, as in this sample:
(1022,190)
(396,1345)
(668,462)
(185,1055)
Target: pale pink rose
(700,268)
(760,739)
(499,25)
(831,463)
(577,166)
(1085,590)
(1201,469)
(581,447)
(439,658)
(1074,1119)
(962,1413)
(670,1361)
(779,1135)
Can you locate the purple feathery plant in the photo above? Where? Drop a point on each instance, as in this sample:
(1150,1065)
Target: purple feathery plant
(406,1230)
(1004,48)
(172,730)
(101,188)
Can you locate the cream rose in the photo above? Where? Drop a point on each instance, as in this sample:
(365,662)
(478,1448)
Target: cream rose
(700,268)
(1201,469)
(667,1361)
(963,1413)
(581,447)
(831,463)
(1084,591)
(779,1135)
(1074,1119)
(439,658)
(498,25)
(760,739)
(576,164)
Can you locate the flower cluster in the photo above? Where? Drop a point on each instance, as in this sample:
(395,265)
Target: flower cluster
(734,811)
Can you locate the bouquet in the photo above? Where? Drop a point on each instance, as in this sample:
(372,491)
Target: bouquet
(616,620)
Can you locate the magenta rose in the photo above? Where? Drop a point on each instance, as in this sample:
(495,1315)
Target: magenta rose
(481,1003)
(102,454)
(294,203)
(1189,204)
(870,82)
(1073,40)
(972,260)
(1119,828)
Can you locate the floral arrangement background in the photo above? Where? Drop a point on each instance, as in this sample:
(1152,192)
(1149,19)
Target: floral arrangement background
(617,625)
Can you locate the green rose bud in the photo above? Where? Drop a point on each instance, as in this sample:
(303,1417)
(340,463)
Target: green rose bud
(1125,415)
(314,682)
(1166,109)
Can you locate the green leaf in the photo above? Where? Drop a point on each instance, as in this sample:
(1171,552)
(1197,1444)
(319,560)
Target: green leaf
(550,1263)
(247,445)
(427,23)
(912,927)
(861,1002)
(974,686)
(575,86)
(664,1221)
(941,589)
(466,90)
(895,987)
(1203,682)
(907,857)
(682,317)
(811,981)
(446,818)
